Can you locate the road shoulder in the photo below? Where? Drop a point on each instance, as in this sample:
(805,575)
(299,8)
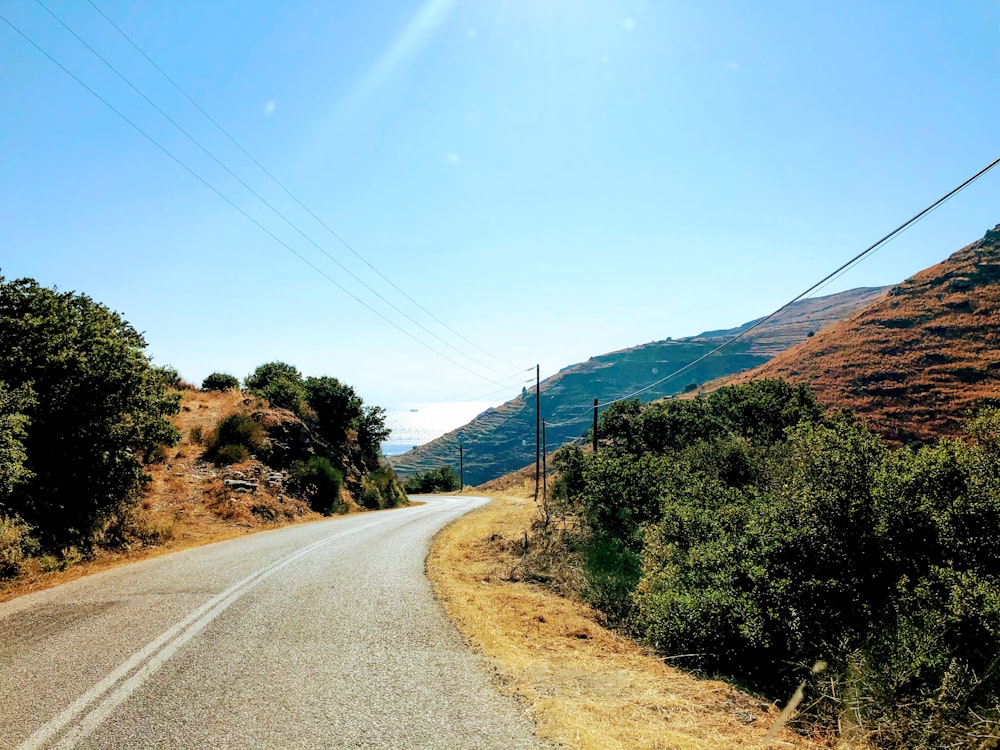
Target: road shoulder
(586,686)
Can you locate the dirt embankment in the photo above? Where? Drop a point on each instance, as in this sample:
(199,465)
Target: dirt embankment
(187,501)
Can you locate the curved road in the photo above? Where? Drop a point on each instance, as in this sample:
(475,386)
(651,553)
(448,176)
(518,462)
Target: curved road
(323,635)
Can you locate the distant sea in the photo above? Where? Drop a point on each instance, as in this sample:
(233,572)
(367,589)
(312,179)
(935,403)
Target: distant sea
(416,424)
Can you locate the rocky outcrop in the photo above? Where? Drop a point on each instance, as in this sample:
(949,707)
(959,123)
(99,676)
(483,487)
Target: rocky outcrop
(288,439)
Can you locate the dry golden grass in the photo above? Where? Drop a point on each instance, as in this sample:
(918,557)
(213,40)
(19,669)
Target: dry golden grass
(916,362)
(189,497)
(586,686)
(186,503)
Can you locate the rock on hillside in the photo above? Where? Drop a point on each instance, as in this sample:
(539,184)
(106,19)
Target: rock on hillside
(916,362)
(503,439)
(189,498)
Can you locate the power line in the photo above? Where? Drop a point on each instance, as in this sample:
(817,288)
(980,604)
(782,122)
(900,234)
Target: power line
(842,272)
(247,216)
(476,390)
(287,191)
(829,277)
(874,247)
(257,195)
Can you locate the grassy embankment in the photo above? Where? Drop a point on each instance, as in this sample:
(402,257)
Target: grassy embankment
(586,686)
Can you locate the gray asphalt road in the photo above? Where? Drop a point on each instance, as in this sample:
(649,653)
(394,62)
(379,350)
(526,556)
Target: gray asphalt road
(317,636)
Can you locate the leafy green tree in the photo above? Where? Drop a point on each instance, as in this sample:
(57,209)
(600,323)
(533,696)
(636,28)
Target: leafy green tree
(337,406)
(99,408)
(280,383)
(761,409)
(634,428)
(220,381)
(618,426)
(13,430)
(339,410)
(372,432)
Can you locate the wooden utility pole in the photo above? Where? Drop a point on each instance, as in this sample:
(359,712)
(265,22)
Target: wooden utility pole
(595,426)
(538,423)
(461,467)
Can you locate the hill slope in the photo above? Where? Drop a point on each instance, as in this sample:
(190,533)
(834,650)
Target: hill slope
(502,439)
(915,362)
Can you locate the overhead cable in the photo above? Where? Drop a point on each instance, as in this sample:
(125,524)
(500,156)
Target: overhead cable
(247,216)
(286,190)
(874,247)
(257,195)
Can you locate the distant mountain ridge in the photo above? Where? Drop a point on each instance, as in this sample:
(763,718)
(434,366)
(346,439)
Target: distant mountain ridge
(503,439)
(914,363)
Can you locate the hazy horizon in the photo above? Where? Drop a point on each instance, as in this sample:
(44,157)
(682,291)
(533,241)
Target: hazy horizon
(484,186)
(418,423)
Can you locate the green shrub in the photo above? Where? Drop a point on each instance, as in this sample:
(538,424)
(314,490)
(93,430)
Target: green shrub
(132,527)
(281,384)
(443,479)
(231,454)
(157,455)
(320,484)
(381,489)
(234,438)
(569,483)
(220,381)
(51,563)
(622,493)
(16,545)
(766,538)
(612,571)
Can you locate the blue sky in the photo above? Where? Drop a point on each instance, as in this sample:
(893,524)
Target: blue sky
(551,179)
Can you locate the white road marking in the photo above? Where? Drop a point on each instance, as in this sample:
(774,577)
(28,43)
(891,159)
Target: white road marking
(91,708)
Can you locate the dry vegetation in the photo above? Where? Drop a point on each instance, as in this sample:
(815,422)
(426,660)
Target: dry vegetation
(189,496)
(586,686)
(915,363)
(186,503)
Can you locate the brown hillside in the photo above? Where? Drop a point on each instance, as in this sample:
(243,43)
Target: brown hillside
(914,363)
(187,500)
(502,440)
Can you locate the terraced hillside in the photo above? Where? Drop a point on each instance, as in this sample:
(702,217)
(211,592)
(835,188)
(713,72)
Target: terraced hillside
(503,439)
(917,361)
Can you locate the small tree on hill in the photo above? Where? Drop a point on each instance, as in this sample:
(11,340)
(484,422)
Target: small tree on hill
(337,405)
(372,432)
(280,383)
(220,381)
